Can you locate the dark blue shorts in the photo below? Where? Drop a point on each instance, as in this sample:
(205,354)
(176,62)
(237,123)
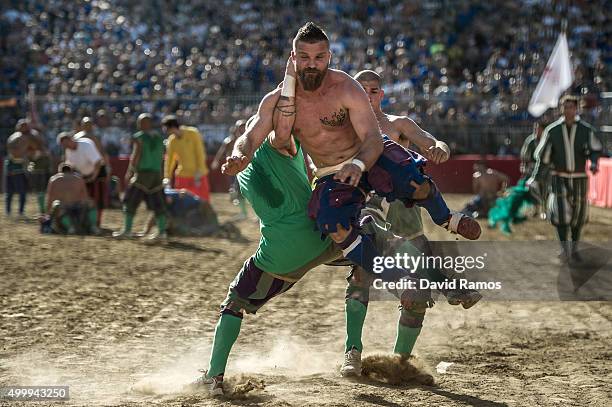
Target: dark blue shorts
(333,202)
(391,176)
(16,184)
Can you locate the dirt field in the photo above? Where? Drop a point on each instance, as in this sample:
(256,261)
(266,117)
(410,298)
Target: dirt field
(126,324)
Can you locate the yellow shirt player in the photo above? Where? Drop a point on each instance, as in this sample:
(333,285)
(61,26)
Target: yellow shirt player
(186,158)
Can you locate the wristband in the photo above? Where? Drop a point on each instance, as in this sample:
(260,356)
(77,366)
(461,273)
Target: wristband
(288,86)
(442,145)
(359,164)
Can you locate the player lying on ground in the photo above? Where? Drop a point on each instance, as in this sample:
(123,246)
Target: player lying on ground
(187,215)
(403,221)
(331,116)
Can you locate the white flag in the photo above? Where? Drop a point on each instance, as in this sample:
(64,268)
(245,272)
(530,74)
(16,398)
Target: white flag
(557,77)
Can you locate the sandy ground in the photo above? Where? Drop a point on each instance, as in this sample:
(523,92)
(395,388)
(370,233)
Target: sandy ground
(126,324)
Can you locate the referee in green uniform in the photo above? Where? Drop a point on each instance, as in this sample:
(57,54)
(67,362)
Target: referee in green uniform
(565,146)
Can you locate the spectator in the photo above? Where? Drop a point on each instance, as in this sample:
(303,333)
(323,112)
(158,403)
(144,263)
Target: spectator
(478,60)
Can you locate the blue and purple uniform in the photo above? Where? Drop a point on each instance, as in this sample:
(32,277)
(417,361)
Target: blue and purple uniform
(391,177)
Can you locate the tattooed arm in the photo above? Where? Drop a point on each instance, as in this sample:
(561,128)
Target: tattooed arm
(284,111)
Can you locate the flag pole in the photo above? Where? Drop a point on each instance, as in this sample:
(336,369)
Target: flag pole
(564,26)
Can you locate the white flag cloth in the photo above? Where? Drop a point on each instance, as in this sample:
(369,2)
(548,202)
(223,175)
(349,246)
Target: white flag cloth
(557,77)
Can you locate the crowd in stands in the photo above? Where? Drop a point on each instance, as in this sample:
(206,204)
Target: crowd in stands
(209,62)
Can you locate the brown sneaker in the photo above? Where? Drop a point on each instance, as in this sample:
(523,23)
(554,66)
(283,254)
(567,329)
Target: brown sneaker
(467,298)
(463,225)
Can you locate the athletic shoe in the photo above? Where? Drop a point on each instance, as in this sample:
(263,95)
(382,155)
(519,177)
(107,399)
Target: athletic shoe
(122,234)
(213,384)
(352,364)
(463,225)
(142,233)
(156,237)
(467,298)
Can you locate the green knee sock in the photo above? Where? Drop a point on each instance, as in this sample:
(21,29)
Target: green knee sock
(128,221)
(41,202)
(161,223)
(92,217)
(406,338)
(355,312)
(226,334)
(66,223)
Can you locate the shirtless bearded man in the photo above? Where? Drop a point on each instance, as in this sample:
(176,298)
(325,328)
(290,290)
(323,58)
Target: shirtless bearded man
(329,113)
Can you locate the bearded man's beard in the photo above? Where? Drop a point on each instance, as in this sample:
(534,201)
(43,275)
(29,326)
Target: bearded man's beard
(311,78)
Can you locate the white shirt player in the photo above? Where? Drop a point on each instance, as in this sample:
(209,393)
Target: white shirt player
(84,158)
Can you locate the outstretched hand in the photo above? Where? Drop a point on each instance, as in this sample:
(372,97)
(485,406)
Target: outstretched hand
(234,164)
(437,154)
(349,174)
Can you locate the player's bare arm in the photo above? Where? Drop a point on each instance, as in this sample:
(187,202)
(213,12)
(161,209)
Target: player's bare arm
(134,160)
(476,182)
(257,131)
(51,193)
(285,109)
(433,149)
(222,152)
(366,127)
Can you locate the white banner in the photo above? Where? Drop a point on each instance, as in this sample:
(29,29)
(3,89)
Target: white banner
(557,77)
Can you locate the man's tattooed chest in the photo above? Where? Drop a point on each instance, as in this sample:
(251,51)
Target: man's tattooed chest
(335,119)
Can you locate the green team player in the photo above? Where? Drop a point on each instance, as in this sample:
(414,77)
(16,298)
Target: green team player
(276,185)
(403,221)
(144,179)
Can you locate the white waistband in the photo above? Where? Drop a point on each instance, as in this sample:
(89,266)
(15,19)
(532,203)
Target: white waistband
(332,169)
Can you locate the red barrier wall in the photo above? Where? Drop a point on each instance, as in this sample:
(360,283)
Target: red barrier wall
(455,175)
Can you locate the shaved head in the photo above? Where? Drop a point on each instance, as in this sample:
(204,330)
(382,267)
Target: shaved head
(367,76)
